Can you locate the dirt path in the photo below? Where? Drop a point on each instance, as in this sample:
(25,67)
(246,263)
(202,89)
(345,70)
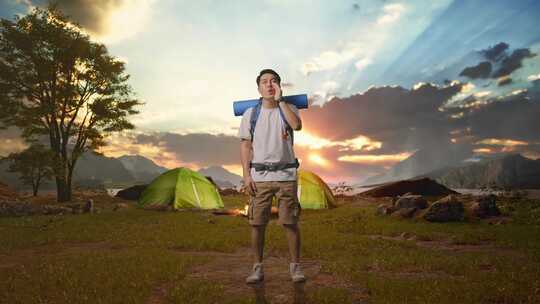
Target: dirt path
(231,269)
(228,269)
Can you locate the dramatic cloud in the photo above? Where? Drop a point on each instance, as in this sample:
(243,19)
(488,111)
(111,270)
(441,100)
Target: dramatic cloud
(482,70)
(197,148)
(108,20)
(496,52)
(505,80)
(513,117)
(513,62)
(399,118)
(500,61)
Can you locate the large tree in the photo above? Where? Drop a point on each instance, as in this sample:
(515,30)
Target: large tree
(33,164)
(56,82)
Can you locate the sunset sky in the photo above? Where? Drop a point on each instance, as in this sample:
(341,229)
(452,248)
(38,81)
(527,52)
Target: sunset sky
(386,78)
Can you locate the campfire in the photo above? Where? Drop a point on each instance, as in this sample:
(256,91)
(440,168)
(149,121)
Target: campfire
(240,212)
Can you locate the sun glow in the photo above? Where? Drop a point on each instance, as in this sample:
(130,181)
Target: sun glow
(319,160)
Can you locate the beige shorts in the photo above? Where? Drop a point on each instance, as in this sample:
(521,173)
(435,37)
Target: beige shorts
(288,205)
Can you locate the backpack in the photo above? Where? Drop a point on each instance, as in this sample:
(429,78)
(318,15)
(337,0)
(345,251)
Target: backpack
(255,115)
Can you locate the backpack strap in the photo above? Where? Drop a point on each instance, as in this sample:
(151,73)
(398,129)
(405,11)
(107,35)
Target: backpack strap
(253,119)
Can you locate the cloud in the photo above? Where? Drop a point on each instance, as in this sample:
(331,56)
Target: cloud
(513,62)
(511,117)
(496,52)
(375,159)
(202,149)
(329,60)
(359,48)
(534,77)
(505,80)
(392,12)
(106,20)
(481,70)
(399,118)
(11,141)
(362,63)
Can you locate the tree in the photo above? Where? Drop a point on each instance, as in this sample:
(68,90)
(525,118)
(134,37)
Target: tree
(34,164)
(56,82)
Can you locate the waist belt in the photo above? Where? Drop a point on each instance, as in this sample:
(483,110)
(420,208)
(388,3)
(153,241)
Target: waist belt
(274,166)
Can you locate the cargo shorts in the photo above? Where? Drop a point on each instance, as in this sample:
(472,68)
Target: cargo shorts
(260,204)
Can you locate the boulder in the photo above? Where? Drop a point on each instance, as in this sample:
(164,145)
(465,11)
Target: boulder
(485,206)
(447,209)
(120,206)
(8,208)
(404,212)
(411,201)
(383,209)
(89,206)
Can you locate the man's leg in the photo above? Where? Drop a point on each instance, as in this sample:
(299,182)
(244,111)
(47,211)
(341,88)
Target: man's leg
(259,214)
(293,238)
(289,213)
(257,242)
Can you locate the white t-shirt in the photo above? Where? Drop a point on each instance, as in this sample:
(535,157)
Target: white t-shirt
(269,145)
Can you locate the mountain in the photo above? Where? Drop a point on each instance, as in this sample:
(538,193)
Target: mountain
(221,176)
(512,171)
(422,162)
(91,166)
(142,168)
(94,170)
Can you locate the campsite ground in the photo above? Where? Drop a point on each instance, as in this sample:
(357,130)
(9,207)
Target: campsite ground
(349,255)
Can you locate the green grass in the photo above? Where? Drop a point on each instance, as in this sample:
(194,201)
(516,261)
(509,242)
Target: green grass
(121,257)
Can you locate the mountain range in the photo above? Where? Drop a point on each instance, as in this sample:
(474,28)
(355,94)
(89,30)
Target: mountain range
(512,171)
(94,170)
(222,177)
(422,162)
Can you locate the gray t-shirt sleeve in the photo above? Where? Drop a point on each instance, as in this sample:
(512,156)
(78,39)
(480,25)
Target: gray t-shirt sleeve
(243,131)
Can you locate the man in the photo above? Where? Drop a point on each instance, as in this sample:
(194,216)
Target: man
(269,169)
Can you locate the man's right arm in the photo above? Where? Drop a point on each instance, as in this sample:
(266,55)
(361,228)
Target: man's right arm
(246,154)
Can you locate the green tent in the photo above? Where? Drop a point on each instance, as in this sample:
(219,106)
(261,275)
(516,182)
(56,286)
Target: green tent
(313,192)
(181,188)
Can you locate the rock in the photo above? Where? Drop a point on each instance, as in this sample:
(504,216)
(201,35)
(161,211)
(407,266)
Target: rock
(55,210)
(447,209)
(120,206)
(383,209)
(406,235)
(404,212)
(411,201)
(19,208)
(485,206)
(89,206)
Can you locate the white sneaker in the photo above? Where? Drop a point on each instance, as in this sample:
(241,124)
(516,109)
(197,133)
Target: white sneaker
(296,273)
(257,274)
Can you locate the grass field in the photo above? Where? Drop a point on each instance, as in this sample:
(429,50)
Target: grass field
(350,256)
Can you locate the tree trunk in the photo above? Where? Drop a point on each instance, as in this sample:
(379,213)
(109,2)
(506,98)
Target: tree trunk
(63,193)
(36,186)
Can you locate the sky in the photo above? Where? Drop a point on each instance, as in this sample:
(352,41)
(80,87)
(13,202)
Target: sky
(385,78)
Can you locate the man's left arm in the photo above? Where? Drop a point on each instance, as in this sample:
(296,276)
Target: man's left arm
(294,120)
